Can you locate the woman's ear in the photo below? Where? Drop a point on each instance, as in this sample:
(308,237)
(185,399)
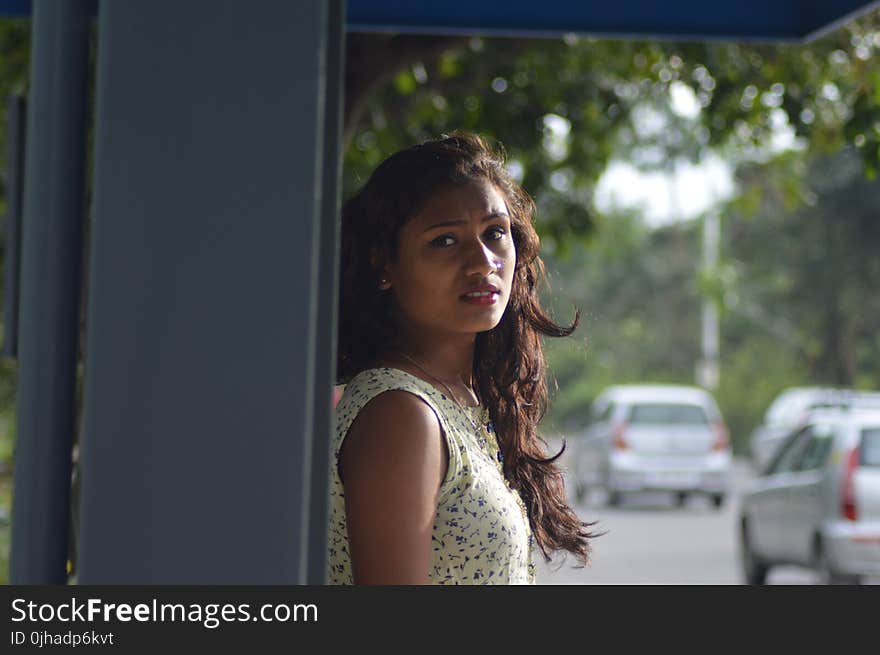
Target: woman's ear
(377,261)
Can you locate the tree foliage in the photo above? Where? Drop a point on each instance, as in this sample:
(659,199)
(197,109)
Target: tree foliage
(811,276)
(798,285)
(14,59)
(563,108)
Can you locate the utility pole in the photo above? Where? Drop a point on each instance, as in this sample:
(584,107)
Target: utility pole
(708,368)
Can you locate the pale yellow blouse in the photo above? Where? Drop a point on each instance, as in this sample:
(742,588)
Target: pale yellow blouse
(481,531)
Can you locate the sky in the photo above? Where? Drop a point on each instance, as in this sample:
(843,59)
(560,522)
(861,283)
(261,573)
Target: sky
(667,198)
(680,193)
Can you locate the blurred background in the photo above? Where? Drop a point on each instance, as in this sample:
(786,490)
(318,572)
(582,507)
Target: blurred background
(711,209)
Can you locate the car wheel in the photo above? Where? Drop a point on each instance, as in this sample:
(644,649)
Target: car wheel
(680,499)
(754,570)
(718,501)
(825,573)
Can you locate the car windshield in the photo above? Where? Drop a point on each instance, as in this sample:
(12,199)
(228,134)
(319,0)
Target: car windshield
(662,413)
(867,400)
(827,404)
(870,451)
(786,408)
(793,406)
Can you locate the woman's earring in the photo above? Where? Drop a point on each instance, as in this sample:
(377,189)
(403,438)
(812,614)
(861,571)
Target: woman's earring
(384,283)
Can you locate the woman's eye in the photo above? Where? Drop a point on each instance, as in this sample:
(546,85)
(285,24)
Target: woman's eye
(443,241)
(496,233)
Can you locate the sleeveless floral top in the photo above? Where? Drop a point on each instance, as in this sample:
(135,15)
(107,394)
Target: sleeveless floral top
(481,532)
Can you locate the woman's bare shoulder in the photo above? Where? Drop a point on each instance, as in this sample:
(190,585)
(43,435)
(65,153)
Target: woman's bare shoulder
(392,469)
(396,407)
(394,430)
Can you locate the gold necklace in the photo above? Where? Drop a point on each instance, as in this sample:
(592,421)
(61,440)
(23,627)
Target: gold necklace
(490,431)
(464,408)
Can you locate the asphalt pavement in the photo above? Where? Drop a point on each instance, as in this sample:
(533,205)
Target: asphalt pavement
(651,540)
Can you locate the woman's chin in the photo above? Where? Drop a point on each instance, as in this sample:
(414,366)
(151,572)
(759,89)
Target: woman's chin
(484,325)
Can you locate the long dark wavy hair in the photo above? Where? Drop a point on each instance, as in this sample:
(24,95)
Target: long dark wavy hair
(509,365)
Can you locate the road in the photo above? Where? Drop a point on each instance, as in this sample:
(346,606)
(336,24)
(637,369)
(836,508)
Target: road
(651,541)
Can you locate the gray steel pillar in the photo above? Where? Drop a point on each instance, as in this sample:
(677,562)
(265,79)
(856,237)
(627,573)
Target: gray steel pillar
(12,223)
(50,275)
(204,292)
(328,285)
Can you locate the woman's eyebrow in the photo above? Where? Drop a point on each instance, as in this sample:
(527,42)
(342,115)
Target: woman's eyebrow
(461,221)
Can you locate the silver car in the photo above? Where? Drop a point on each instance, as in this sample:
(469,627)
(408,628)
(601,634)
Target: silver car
(818,503)
(641,438)
(789,410)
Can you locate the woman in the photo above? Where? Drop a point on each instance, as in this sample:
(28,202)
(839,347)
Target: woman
(438,475)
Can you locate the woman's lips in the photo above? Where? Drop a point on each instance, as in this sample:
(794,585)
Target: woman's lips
(481,298)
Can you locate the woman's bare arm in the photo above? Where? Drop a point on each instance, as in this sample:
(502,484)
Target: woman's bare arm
(393,462)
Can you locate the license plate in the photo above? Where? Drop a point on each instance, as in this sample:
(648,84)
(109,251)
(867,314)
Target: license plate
(673,479)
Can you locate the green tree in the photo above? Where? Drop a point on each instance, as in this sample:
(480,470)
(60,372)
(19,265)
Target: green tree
(14,61)
(799,284)
(564,107)
(637,289)
(811,277)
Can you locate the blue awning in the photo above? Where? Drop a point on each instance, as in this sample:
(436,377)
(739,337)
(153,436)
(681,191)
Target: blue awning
(15,7)
(763,20)
(742,20)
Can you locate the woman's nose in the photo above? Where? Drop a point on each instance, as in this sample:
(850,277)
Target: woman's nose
(482,260)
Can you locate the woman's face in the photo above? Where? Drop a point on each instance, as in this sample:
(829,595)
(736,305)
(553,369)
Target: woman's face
(455,263)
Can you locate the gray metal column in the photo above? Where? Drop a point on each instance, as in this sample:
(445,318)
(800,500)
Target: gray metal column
(203,304)
(50,266)
(328,284)
(12,223)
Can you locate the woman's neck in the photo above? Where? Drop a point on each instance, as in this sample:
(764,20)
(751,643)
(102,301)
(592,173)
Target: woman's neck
(447,360)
